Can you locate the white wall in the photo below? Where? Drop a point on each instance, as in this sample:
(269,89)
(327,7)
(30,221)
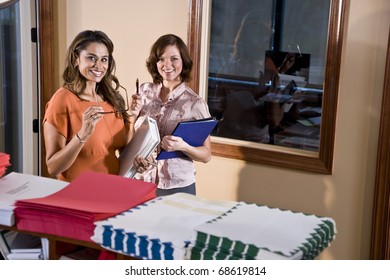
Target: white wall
(347,194)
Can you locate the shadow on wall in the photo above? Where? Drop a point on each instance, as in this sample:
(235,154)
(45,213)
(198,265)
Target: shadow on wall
(317,199)
(274,191)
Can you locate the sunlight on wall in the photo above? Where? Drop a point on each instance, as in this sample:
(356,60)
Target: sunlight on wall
(329,194)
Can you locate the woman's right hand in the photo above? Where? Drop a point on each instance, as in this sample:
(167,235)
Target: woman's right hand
(90,118)
(136,104)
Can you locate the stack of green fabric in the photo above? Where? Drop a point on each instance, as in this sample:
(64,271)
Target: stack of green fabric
(249,231)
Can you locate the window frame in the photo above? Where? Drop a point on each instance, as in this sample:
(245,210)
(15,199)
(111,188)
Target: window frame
(318,162)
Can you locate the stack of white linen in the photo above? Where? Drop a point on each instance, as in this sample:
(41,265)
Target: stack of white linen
(183,226)
(159,229)
(249,231)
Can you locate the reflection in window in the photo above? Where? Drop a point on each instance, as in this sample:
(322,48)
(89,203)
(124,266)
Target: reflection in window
(266,70)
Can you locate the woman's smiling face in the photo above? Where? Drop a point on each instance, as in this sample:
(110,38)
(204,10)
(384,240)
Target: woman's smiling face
(93,62)
(170,64)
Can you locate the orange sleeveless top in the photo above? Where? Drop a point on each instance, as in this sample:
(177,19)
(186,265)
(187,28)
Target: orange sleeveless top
(99,154)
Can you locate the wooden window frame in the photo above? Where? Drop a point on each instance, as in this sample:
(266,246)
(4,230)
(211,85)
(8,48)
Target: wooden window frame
(321,162)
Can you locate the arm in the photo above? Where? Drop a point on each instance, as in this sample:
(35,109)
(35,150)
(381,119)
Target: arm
(201,153)
(199,110)
(135,108)
(131,130)
(173,143)
(61,155)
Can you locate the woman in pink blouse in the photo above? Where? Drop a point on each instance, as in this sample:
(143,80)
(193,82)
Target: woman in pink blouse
(169,100)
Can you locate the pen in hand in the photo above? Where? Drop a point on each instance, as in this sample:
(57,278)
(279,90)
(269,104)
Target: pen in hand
(137,85)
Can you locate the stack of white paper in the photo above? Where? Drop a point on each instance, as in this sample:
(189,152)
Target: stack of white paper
(20,246)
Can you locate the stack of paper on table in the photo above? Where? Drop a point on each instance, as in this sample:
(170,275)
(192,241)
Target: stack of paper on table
(160,228)
(183,226)
(72,211)
(26,256)
(249,231)
(16,186)
(20,246)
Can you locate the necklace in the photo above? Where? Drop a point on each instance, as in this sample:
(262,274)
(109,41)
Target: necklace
(96,99)
(103,117)
(96,95)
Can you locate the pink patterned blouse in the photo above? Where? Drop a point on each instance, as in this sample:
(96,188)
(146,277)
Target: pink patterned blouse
(183,105)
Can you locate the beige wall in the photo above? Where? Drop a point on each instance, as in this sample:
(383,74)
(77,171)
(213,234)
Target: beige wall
(347,194)
(132,25)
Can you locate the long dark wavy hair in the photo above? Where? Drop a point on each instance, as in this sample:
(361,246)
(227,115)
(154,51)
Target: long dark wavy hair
(157,51)
(108,87)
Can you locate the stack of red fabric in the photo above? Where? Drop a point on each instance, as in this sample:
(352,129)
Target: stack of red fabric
(4,162)
(72,211)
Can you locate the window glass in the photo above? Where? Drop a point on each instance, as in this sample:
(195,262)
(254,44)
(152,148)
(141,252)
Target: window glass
(10,86)
(266,70)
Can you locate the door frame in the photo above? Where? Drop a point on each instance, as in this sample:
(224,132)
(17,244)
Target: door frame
(380,236)
(46,60)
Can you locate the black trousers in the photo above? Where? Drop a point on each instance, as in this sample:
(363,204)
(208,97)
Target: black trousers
(188,189)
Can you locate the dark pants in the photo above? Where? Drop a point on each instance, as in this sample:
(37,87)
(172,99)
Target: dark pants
(189,189)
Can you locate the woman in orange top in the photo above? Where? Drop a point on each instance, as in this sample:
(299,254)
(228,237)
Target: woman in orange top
(87,122)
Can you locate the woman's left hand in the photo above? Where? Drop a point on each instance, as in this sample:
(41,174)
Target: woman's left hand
(173,143)
(143,164)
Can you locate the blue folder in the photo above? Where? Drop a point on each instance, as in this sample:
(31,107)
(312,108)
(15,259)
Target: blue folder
(194,132)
